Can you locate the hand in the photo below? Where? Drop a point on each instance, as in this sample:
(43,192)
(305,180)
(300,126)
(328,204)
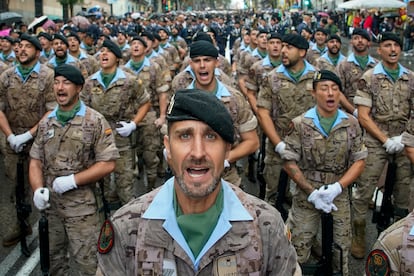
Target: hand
(17,142)
(41,198)
(160,121)
(63,184)
(226,164)
(392,145)
(126,129)
(355,113)
(320,203)
(330,192)
(280,148)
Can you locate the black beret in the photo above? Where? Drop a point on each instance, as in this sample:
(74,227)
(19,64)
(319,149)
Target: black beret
(32,39)
(307,29)
(70,72)
(322,30)
(140,39)
(361,32)
(112,47)
(334,36)
(9,39)
(75,35)
(45,35)
(274,35)
(163,29)
(389,36)
(296,40)
(195,104)
(202,36)
(324,75)
(203,48)
(262,31)
(148,35)
(61,37)
(156,36)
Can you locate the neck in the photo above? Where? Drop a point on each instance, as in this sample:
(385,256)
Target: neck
(298,66)
(361,54)
(138,58)
(109,70)
(326,114)
(69,108)
(333,55)
(195,205)
(274,58)
(391,66)
(75,53)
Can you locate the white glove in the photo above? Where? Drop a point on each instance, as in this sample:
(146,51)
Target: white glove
(226,163)
(330,192)
(280,148)
(126,129)
(64,183)
(320,203)
(17,142)
(393,145)
(41,198)
(355,113)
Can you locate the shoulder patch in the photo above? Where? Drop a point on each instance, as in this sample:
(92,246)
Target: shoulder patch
(377,264)
(106,237)
(361,84)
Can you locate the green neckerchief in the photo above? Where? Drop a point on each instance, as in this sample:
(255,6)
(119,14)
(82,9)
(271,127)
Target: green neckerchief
(5,56)
(47,53)
(262,54)
(60,61)
(327,123)
(65,116)
(122,46)
(136,65)
(87,47)
(275,63)
(296,76)
(157,49)
(107,78)
(320,49)
(362,60)
(334,60)
(197,228)
(162,45)
(392,73)
(24,71)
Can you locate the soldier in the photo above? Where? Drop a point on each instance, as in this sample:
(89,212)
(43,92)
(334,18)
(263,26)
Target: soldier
(122,40)
(73,149)
(392,252)
(178,42)
(324,154)
(172,51)
(7,55)
(88,44)
(150,76)
(351,69)
(200,137)
(285,94)
(243,64)
(26,94)
(384,99)
(203,56)
(47,50)
(319,48)
(124,102)
(89,62)
(333,56)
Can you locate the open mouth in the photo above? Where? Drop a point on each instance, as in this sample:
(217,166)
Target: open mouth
(197,172)
(330,103)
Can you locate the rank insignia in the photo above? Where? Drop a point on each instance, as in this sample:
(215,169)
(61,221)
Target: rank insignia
(377,264)
(96,90)
(106,237)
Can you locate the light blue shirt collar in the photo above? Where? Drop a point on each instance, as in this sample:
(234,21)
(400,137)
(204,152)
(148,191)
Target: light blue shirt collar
(311,114)
(81,112)
(326,56)
(266,61)
(351,58)
(222,91)
(153,54)
(119,75)
(51,53)
(69,59)
(36,69)
(145,63)
(315,47)
(162,208)
(308,68)
(379,69)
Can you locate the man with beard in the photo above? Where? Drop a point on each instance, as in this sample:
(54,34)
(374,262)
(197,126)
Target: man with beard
(197,223)
(286,93)
(150,75)
(384,102)
(319,48)
(89,62)
(47,50)
(178,42)
(333,56)
(60,46)
(351,69)
(26,94)
(121,98)
(203,63)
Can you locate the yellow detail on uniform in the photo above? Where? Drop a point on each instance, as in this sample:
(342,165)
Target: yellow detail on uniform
(96,90)
(139,81)
(108,131)
(288,233)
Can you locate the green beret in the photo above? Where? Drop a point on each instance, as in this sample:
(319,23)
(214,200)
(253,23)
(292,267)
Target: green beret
(32,39)
(361,32)
(45,35)
(389,36)
(334,36)
(61,37)
(112,47)
(199,105)
(70,72)
(324,75)
(203,48)
(296,40)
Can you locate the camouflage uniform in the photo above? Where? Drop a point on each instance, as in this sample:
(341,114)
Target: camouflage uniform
(323,159)
(390,109)
(149,144)
(118,102)
(72,216)
(44,58)
(396,243)
(285,99)
(349,71)
(325,63)
(71,61)
(243,120)
(89,62)
(10,59)
(126,53)
(171,56)
(314,53)
(258,74)
(253,240)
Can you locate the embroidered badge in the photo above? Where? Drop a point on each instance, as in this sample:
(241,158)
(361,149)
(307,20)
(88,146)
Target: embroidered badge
(106,238)
(361,84)
(108,131)
(377,264)
(97,90)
